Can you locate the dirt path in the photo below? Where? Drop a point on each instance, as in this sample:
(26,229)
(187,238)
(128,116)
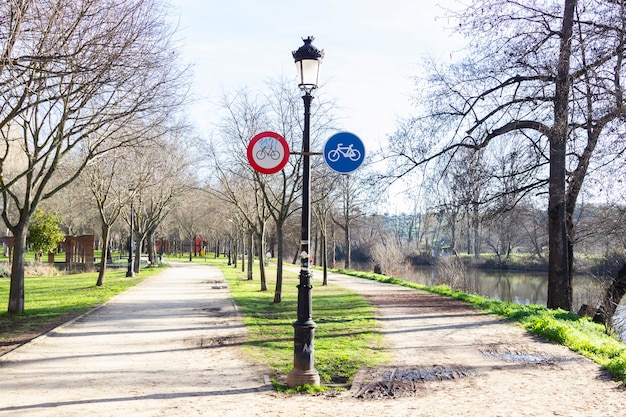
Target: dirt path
(171,346)
(461,362)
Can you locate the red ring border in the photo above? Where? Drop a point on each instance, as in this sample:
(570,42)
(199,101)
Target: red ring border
(282,162)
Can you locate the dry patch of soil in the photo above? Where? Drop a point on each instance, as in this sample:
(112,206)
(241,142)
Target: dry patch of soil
(18,330)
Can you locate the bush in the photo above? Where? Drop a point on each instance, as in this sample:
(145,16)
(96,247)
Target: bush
(451,271)
(38,269)
(421,258)
(608,265)
(31,269)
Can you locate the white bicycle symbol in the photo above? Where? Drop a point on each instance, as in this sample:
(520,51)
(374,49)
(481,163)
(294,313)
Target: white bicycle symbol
(345,151)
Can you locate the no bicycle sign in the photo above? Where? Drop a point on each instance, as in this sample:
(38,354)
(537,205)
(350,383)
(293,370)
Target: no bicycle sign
(268,152)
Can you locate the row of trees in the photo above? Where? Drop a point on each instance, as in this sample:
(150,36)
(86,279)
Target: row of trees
(260,200)
(79,80)
(533,109)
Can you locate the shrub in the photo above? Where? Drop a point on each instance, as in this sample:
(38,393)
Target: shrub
(38,269)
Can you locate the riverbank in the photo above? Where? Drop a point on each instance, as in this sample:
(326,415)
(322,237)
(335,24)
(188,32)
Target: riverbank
(596,265)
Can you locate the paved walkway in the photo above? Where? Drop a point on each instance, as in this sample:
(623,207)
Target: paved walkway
(172,347)
(153,350)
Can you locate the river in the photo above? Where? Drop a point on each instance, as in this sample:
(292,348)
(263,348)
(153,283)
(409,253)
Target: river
(519,287)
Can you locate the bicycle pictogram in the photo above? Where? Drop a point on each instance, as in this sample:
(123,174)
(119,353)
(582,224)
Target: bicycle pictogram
(268,152)
(344,151)
(268,148)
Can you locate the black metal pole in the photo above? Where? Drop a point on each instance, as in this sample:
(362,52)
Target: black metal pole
(304,371)
(130,272)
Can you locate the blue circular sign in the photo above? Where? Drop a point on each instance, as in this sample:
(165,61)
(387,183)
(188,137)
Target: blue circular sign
(344,152)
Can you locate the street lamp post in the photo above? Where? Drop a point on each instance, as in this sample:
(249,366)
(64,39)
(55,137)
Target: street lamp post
(130,272)
(308,59)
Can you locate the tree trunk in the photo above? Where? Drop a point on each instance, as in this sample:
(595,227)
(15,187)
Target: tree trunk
(140,241)
(16,292)
(278,291)
(324,254)
(191,247)
(333,263)
(106,236)
(469,233)
(560,293)
(348,242)
(261,246)
(612,297)
(235,249)
(316,245)
(250,255)
(152,259)
(476,227)
(243,252)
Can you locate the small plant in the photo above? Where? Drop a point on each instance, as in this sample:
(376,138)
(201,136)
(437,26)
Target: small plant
(307,389)
(44,233)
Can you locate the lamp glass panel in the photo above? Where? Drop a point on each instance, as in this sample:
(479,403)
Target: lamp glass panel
(308,72)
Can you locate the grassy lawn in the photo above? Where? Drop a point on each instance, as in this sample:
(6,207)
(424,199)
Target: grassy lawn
(346,337)
(52,300)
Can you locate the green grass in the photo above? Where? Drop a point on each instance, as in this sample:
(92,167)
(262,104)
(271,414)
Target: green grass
(51,300)
(346,337)
(580,334)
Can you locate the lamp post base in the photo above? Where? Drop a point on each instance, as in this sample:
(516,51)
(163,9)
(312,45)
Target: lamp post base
(304,371)
(297,377)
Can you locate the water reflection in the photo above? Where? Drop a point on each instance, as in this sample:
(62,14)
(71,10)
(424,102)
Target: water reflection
(518,287)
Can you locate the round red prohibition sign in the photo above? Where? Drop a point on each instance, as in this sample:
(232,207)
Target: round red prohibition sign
(268,152)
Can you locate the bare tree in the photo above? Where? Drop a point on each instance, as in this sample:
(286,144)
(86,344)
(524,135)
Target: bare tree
(281,191)
(354,200)
(77,79)
(235,182)
(322,208)
(247,114)
(162,174)
(110,192)
(548,74)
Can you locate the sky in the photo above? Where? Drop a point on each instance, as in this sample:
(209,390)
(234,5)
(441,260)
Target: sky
(372,48)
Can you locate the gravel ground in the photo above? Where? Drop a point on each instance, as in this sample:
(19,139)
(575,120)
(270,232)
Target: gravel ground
(172,347)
